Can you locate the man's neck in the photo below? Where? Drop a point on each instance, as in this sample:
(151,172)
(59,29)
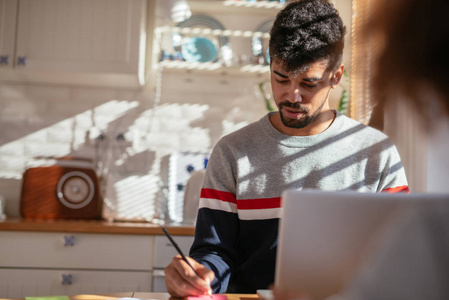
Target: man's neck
(320,124)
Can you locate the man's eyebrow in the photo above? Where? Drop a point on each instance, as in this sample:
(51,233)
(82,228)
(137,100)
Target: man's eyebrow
(279,74)
(312,79)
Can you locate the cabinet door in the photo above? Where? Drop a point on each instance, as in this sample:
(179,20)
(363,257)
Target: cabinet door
(20,283)
(8,13)
(164,251)
(75,250)
(80,35)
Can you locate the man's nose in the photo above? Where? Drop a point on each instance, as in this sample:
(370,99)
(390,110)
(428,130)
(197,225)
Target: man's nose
(295,96)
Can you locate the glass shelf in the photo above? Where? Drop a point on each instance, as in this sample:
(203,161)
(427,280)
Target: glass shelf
(234,6)
(211,32)
(245,64)
(214,67)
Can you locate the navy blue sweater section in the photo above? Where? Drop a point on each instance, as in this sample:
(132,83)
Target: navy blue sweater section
(242,253)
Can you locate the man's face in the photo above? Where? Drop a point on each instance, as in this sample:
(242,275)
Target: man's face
(300,97)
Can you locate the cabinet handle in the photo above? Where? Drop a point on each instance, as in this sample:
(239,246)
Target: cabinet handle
(4,59)
(69,240)
(21,60)
(66,279)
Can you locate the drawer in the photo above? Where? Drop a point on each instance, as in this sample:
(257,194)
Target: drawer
(164,251)
(159,281)
(75,250)
(20,283)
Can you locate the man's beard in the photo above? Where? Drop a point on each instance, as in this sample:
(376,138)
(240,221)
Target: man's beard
(302,122)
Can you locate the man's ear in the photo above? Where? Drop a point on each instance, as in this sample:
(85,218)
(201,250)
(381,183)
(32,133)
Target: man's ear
(337,76)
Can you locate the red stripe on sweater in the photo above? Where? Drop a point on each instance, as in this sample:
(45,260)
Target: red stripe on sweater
(262,203)
(219,195)
(397,189)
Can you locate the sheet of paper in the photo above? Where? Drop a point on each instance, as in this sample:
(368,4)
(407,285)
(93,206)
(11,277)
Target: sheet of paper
(48,298)
(265,294)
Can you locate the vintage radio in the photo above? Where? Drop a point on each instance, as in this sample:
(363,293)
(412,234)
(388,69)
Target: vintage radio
(60,192)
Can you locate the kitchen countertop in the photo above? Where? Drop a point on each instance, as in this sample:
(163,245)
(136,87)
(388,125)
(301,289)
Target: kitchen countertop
(94,226)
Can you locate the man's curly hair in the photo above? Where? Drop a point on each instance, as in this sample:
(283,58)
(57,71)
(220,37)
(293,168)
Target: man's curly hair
(305,32)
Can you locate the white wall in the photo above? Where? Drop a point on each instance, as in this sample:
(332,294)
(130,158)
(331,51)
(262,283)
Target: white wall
(194,111)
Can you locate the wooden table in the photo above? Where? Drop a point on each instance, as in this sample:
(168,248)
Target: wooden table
(152,296)
(166,296)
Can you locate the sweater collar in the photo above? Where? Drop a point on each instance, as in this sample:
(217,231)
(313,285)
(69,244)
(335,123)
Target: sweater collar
(301,141)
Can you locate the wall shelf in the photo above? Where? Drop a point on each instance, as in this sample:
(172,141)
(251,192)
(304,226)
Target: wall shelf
(211,32)
(236,7)
(214,67)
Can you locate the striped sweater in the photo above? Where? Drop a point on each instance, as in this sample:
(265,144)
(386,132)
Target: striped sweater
(237,224)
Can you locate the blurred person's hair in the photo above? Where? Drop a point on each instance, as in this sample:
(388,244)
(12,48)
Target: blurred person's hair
(306,32)
(413,63)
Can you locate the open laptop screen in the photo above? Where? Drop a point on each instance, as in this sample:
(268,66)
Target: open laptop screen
(325,236)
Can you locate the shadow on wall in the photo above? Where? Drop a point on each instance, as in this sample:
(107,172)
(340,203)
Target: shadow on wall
(122,130)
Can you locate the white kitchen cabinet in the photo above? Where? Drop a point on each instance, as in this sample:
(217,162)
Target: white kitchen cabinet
(95,42)
(164,252)
(34,263)
(75,250)
(8,16)
(53,263)
(20,283)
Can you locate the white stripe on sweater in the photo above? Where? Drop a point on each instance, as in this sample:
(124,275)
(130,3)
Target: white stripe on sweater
(244,214)
(218,205)
(260,214)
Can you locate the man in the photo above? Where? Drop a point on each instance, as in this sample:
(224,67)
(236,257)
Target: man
(305,145)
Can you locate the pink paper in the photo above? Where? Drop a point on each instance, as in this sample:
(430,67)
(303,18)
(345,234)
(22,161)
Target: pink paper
(208,297)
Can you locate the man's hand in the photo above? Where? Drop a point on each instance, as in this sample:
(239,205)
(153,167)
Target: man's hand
(181,280)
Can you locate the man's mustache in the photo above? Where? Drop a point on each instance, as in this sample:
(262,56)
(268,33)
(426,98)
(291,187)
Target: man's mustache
(295,105)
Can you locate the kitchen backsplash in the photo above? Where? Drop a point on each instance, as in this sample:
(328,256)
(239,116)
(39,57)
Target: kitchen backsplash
(125,130)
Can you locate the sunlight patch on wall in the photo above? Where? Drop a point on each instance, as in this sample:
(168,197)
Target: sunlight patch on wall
(62,138)
(131,165)
(169,128)
(229,126)
(163,131)
(130,197)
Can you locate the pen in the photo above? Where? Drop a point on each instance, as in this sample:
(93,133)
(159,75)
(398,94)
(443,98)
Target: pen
(179,250)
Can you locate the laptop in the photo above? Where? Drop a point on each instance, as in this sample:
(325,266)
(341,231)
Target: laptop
(324,237)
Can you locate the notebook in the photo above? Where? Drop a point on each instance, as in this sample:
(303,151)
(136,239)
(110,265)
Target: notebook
(324,237)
